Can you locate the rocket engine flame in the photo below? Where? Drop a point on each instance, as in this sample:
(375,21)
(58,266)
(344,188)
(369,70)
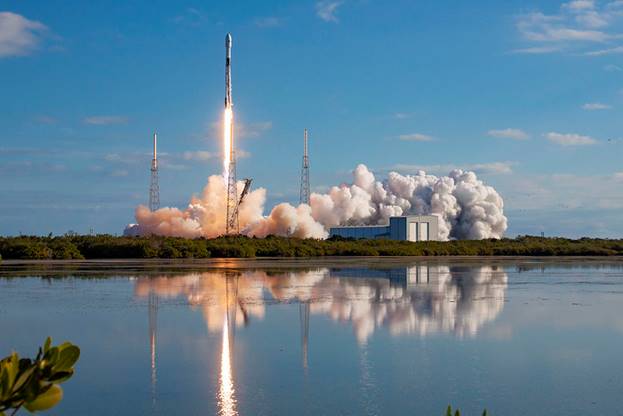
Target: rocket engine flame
(228,135)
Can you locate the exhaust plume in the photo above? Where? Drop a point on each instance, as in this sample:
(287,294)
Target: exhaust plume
(466,207)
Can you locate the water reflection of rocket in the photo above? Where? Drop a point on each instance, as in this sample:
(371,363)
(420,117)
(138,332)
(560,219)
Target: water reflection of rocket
(153,327)
(228,101)
(304,322)
(227,392)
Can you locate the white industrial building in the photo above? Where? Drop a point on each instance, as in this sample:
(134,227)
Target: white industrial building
(407,228)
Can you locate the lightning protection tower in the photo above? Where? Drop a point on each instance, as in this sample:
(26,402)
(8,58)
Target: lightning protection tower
(304,194)
(154,188)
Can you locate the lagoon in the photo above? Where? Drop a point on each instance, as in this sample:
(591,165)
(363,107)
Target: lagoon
(348,336)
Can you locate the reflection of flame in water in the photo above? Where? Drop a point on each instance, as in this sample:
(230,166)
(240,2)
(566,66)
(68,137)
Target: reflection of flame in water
(153,326)
(425,299)
(226,398)
(367,384)
(304,323)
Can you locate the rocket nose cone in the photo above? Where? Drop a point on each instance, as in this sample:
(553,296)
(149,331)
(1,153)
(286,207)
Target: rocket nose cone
(228,40)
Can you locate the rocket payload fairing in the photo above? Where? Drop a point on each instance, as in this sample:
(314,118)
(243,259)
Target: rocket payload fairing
(155,159)
(228,101)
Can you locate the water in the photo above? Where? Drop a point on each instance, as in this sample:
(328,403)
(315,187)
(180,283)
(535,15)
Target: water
(327,337)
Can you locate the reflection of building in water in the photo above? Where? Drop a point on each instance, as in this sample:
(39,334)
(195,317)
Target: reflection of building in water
(422,299)
(431,299)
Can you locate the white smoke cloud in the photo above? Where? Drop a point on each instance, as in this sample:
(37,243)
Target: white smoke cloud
(466,207)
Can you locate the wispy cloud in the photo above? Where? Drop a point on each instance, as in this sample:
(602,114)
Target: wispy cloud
(199,155)
(243,130)
(190,17)
(30,166)
(326,10)
(618,176)
(253,129)
(607,51)
(117,158)
(494,168)
(514,134)
(612,68)
(269,21)
(18,35)
(595,106)
(243,154)
(105,120)
(580,5)
(562,191)
(45,119)
(119,173)
(536,50)
(402,116)
(570,139)
(576,25)
(416,137)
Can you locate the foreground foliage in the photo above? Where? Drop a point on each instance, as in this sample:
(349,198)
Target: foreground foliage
(34,384)
(458,412)
(112,247)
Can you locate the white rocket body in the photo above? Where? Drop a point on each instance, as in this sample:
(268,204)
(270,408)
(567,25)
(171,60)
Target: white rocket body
(155,159)
(228,43)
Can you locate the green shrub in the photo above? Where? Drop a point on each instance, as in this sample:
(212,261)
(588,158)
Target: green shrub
(34,384)
(111,247)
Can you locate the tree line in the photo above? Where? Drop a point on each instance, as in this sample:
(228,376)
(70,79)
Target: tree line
(113,247)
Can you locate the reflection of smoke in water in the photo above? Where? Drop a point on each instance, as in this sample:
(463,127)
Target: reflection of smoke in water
(458,300)
(450,299)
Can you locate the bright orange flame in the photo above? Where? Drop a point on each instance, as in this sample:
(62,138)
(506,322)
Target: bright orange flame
(228,137)
(226,398)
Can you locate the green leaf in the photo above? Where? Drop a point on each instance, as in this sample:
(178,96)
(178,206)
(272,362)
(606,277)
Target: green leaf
(13,367)
(22,379)
(47,344)
(449,411)
(51,356)
(61,377)
(46,400)
(5,388)
(67,357)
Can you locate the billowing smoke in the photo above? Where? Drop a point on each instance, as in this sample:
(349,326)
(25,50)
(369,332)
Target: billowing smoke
(466,207)
(205,216)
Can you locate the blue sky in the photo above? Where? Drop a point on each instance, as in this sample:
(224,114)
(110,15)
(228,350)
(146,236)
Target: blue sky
(527,94)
